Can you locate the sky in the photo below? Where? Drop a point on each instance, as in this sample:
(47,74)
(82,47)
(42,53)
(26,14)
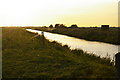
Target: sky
(45,12)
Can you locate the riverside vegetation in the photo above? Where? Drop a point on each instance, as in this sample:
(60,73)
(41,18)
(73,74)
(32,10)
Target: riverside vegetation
(24,57)
(110,35)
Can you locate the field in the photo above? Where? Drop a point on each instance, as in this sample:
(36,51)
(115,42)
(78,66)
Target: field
(27,57)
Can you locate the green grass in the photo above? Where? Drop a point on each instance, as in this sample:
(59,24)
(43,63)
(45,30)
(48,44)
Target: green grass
(24,57)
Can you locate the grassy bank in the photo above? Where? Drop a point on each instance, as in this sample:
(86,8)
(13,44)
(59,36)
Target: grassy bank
(24,57)
(91,34)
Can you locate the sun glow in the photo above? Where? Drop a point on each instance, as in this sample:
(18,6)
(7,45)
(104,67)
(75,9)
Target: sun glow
(45,12)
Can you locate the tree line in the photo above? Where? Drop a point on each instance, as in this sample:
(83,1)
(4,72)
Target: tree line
(63,26)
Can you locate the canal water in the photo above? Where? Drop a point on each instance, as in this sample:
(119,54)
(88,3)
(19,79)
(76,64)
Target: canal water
(92,47)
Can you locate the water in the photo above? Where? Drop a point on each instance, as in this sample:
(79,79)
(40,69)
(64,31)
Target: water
(98,48)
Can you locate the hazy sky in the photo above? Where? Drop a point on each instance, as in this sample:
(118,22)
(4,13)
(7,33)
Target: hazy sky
(46,12)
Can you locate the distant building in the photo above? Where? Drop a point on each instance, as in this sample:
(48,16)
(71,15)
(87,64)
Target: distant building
(105,27)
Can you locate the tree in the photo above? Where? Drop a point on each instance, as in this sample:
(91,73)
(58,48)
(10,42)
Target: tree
(74,26)
(60,26)
(51,26)
(57,25)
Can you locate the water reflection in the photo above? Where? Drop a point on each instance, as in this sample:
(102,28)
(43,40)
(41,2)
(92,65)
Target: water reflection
(98,48)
